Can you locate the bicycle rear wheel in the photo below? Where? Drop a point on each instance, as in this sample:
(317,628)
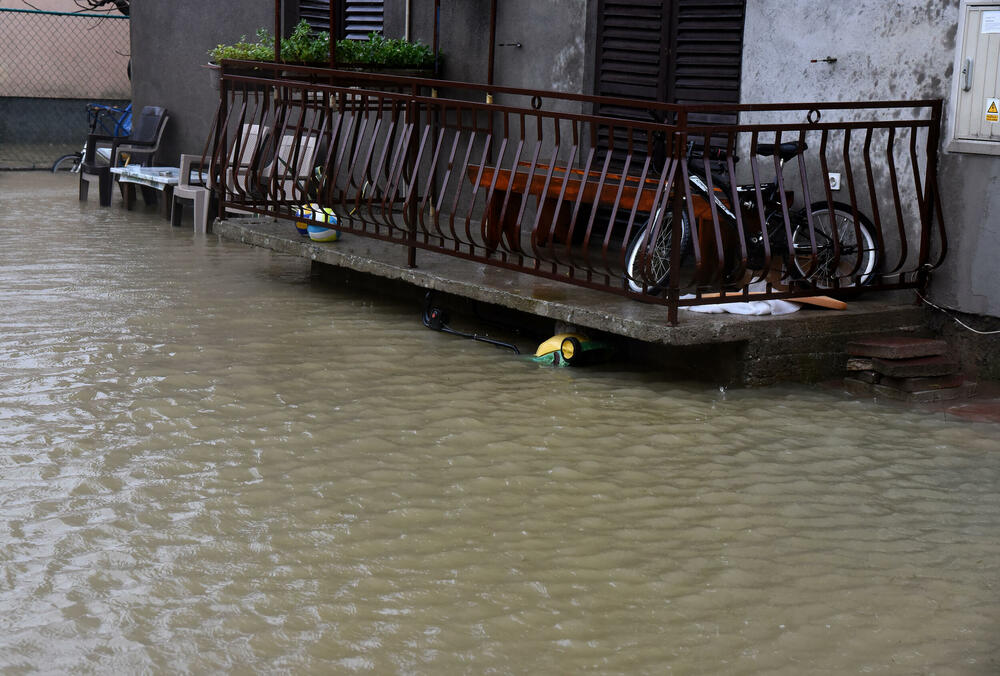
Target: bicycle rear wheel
(859,257)
(69,162)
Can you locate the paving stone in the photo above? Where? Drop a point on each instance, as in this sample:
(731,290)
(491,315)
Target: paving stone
(897,347)
(917,367)
(922,384)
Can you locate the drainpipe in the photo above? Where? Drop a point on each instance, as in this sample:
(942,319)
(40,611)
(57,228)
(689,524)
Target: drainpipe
(437,34)
(493,42)
(333,40)
(277,31)
(406,27)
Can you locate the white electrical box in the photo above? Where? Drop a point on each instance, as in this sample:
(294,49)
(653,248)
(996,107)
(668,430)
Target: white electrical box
(976,92)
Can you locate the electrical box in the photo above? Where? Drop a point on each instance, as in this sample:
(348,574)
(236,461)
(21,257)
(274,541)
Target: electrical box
(976,98)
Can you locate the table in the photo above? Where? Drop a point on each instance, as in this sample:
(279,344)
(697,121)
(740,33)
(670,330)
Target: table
(162,179)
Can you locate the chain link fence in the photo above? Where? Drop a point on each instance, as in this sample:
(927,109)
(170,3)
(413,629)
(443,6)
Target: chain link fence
(51,65)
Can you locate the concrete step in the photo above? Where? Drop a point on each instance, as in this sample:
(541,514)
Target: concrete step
(897,347)
(859,387)
(917,367)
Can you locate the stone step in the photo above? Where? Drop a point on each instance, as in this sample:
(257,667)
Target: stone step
(917,367)
(924,383)
(897,347)
(860,388)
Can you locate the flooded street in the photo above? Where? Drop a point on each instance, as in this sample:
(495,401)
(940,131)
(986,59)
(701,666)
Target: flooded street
(209,463)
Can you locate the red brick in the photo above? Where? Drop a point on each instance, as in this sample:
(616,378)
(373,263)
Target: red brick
(897,347)
(917,367)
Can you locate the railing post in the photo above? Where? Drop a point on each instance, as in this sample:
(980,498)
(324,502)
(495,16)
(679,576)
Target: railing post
(677,207)
(412,114)
(220,142)
(927,207)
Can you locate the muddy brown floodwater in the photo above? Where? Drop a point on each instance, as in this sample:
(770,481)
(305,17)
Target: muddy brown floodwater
(209,463)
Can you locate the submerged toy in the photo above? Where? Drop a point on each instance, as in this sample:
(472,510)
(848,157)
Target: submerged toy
(571,349)
(316,227)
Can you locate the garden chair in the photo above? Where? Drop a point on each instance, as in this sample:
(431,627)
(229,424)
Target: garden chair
(139,147)
(197,191)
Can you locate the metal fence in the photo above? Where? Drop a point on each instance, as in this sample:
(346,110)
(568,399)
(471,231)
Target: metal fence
(53,64)
(658,211)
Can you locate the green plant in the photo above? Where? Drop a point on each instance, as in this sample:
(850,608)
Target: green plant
(381,51)
(262,50)
(304,46)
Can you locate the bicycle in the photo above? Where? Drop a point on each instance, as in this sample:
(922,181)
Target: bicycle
(109,120)
(841,247)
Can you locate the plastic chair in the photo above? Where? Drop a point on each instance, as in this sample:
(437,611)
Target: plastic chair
(197,192)
(141,144)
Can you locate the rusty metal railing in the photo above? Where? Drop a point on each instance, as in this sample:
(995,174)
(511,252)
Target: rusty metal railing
(539,182)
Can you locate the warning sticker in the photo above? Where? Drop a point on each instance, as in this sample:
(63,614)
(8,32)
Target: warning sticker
(993,110)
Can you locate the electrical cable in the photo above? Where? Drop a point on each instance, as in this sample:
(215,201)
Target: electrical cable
(436,319)
(958,321)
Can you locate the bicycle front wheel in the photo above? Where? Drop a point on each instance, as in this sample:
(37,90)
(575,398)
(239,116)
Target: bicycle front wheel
(858,259)
(647,260)
(66,163)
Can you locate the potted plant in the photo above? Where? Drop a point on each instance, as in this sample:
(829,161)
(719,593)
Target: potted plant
(305,47)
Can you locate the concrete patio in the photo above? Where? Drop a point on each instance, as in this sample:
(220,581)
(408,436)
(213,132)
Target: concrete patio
(734,349)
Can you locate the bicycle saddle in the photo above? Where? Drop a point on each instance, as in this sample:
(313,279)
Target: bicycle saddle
(785,151)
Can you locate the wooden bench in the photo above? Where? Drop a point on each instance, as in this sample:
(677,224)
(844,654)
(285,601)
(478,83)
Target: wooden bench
(588,188)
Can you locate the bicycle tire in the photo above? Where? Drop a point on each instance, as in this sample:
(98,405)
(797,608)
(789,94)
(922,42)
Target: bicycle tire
(647,264)
(66,163)
(827,269)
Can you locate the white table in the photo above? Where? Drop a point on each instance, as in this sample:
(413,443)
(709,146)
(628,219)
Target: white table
(162,179)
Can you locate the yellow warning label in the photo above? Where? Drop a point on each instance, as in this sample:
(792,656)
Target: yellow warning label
(992,114)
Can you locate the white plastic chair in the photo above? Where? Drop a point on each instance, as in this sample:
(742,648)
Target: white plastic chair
(197,192)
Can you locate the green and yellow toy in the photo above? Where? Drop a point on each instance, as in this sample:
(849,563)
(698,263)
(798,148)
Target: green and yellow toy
(571,349)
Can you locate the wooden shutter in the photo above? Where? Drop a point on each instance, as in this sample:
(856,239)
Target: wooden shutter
(358,18)
(363,17)
(632,52)
(679,51)
(316,13)
(708,39)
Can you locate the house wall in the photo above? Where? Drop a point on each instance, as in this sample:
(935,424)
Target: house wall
(553,37)
(898,50)
(170,44)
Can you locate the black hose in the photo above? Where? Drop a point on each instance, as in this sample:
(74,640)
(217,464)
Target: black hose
(436,320)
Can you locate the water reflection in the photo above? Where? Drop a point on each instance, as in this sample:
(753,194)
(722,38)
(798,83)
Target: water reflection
(208,463)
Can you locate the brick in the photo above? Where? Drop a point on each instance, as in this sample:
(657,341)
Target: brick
(858,387)
(925,383)
(917,367)
(897,347)
(855,364)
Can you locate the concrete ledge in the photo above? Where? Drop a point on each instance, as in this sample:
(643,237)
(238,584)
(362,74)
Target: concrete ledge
(807,345)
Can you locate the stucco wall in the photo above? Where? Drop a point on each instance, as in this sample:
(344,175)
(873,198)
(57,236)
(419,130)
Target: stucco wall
(170,43)
(903,49)
(552,37)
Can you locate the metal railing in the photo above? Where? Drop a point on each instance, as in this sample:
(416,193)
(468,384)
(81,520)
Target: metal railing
(536,182)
